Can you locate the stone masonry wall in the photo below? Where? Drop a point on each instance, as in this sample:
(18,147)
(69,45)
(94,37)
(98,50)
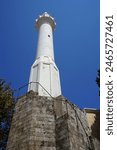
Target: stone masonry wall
(44,123)
(93,119)
(33,124)
(71,127)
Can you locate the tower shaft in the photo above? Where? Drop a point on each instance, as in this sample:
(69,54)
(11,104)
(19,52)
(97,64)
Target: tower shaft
(45,41)
(44,76)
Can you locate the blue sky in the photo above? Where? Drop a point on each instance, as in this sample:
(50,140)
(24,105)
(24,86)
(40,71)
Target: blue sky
(76,44)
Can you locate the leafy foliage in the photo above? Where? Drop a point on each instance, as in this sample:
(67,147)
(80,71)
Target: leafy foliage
(98,79)
(6,112)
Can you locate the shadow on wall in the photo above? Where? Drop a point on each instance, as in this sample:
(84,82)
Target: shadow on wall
(93,118)
(95,127)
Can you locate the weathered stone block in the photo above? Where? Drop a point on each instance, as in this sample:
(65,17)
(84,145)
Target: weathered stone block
(44,123)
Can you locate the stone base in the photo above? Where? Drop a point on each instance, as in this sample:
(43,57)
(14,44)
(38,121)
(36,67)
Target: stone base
(44,123)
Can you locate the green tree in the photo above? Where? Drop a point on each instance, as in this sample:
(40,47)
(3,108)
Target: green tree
(6,112)
(98,79)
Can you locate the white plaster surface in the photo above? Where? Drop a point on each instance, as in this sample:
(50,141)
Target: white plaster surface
(44,69)
(45,41)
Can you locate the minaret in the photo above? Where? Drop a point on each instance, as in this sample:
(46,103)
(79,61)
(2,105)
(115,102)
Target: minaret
(44,76)
(41,122)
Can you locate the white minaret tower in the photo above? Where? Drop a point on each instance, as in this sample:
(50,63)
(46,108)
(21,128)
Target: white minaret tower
(44,76)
